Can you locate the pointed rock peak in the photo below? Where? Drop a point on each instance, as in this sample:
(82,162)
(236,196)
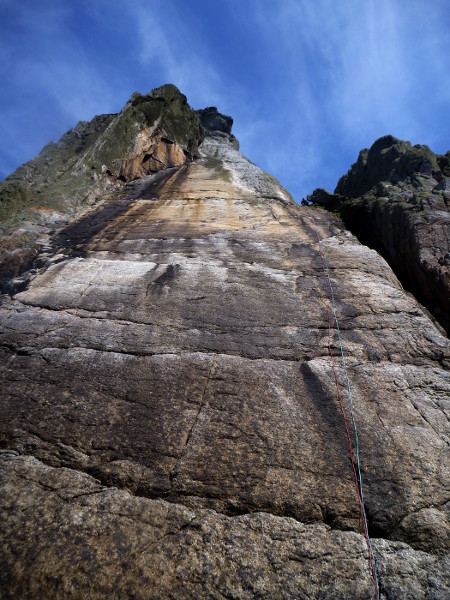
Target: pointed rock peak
(213,120)
(384,142)
(167,108)
(152,132)
(166,93)
(389,160)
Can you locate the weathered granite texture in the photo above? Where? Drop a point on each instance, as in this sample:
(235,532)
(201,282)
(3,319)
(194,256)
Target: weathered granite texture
(79,539)
(169,419)
(396,199)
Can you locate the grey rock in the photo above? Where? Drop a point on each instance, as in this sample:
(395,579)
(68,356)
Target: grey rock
(96,541)
(444,184)
(212,120)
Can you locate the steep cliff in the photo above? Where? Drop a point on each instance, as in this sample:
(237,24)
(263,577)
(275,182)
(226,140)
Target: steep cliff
(396,199)
(170,422)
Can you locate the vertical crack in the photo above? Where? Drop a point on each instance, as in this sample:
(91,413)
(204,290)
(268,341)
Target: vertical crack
(202,405)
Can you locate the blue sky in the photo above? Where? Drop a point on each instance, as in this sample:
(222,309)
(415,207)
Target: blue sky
(308,82)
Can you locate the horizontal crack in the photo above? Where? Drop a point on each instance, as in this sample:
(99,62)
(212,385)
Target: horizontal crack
(233,512)
(30,351)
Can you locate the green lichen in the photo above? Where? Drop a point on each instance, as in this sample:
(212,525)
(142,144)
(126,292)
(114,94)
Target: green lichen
(64,175)
(14,197)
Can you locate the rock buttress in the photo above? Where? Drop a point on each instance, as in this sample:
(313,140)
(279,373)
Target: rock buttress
(396,199)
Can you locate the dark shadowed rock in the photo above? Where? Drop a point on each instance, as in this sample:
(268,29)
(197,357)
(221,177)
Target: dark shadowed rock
(169,418)
(444,163)
(213,120)
(443,185)
(321,197)
(217,125)
(389,160)
(397,201)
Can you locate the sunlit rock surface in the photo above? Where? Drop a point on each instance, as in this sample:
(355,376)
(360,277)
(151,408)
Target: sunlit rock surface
(169,416)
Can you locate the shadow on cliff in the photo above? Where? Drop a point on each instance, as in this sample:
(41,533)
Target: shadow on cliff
(382,511)
(74,239)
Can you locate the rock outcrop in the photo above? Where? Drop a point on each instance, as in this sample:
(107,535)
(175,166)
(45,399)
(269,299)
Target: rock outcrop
(396,199)
(169,419)
(212,120)
(87,166)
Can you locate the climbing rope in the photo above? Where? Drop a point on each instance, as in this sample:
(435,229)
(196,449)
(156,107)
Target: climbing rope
(356,469)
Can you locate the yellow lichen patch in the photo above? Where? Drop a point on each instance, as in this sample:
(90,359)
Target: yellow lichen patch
(39,208)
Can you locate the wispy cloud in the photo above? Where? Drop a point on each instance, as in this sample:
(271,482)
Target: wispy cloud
(307,83)
(354,71)
(171,47)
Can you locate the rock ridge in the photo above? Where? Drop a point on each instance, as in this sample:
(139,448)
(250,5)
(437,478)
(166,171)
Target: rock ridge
(88,166)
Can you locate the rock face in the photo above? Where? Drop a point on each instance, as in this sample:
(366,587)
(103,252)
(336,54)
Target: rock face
(396,199)
(169,419)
